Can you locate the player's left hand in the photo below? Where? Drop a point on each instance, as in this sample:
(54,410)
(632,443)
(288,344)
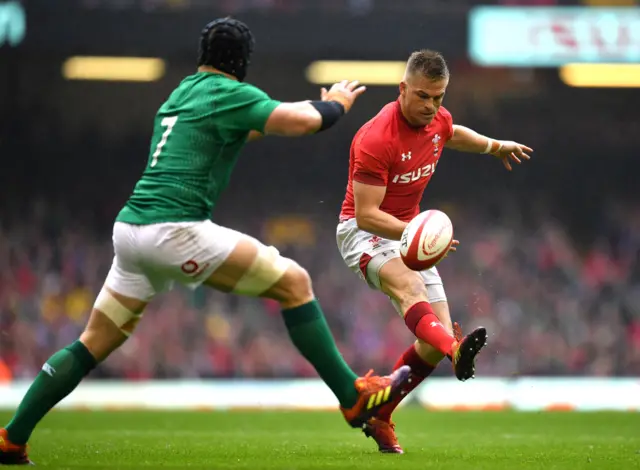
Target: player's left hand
(512,151)
(453,247)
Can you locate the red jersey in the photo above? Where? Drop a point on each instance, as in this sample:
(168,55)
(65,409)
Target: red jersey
(387,151)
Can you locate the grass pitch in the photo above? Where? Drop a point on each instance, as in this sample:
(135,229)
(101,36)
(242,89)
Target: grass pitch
(319,440)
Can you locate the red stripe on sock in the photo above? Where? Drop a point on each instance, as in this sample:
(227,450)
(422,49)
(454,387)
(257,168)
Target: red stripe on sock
(420,370)
(424,323)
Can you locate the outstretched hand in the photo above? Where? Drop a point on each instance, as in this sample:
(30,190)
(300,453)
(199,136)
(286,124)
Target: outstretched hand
(453,247)
(344,92)
(512,152)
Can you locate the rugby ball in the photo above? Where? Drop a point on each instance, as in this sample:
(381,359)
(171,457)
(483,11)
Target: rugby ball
(426,240)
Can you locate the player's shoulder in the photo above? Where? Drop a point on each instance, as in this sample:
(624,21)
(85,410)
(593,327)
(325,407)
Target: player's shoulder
(386,116)
(243,89)
(444,114)
(246,87)
(374,133)
(216,84)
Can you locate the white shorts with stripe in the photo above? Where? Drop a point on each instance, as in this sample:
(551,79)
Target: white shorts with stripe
(365,254)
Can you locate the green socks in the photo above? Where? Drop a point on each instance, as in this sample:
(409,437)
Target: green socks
(62,373)
(310,333)
(59,376)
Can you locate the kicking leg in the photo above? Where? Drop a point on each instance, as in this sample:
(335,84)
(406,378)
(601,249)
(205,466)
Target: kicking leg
(431,323)
(421,357)
(409,294)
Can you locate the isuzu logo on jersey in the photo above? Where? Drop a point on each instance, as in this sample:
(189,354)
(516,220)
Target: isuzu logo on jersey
(415,175)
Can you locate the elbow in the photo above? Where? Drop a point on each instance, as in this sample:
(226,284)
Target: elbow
(362,221)
(309,123)
(303,124)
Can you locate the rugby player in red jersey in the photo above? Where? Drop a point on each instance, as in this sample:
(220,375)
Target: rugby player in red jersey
(393,157)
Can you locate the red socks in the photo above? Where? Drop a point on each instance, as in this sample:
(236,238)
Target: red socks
(420,370)
(424,323)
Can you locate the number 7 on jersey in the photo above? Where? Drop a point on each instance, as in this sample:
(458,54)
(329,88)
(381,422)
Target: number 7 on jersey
(167,122)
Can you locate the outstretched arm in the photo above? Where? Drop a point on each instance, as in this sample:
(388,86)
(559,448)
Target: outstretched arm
(309,117)
(467,140)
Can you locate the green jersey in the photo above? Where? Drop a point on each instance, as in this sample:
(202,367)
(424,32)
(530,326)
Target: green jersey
(197,136)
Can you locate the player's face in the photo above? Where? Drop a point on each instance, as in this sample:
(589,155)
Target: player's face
(420,98)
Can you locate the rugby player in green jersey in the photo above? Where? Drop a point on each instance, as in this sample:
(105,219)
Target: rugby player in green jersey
(164,234)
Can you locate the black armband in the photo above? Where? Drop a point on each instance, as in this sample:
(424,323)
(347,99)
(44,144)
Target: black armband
(331,112)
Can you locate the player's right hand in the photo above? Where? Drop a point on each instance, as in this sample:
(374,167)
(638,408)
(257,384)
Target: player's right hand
(344,92)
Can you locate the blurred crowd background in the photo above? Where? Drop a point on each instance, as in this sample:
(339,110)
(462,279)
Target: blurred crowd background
(549,259)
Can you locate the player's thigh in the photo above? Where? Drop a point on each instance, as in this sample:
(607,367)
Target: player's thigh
(254,269)
(365,253)
(226,277)
(193,253)
(377,261)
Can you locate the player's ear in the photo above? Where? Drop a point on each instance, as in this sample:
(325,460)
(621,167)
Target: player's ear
(403,87)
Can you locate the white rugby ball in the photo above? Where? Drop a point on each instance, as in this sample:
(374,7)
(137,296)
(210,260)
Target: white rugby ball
(426,240)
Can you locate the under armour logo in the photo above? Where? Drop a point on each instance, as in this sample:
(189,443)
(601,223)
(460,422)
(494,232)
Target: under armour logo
(406,156)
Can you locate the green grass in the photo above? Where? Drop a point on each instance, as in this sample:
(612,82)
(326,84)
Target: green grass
(315,440)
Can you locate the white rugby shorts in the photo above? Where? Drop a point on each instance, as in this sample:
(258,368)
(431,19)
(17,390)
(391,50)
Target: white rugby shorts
(149,259)
(365,254)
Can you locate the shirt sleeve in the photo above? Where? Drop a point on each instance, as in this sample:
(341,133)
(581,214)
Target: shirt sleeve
(371,166)
(245,108)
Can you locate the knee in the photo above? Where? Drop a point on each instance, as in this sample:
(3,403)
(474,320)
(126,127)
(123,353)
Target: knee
(112,320)
(294,288)
(101,337)
(408,290)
